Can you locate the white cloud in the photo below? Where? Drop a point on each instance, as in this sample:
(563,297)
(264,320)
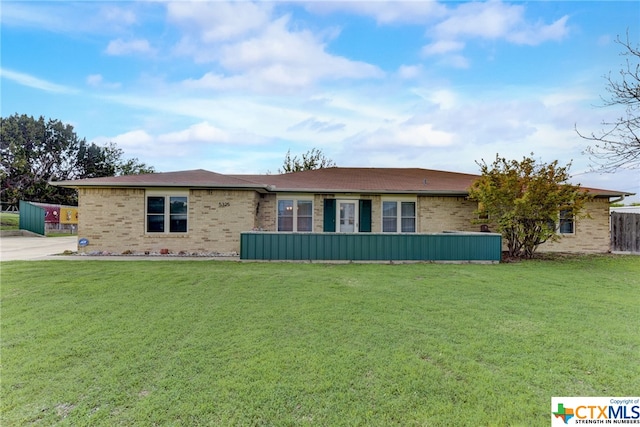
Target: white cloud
(219,21)
(137,141)
(488,20)
(442,46)
(492,20)
(34,82)
(200,132)
(405,136)
(535,34)
(292,50)
(495,20)
(444,98)
(122,47)
(72,17)
(315,125)
(384,12)
(197,141)
(279,59)
(118,15)
(407,72)
(97,81)
(94,80)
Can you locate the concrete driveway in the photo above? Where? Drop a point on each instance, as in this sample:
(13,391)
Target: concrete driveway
(13,248)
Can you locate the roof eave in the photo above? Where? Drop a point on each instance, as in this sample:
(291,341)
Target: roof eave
(368,191)
(72,184)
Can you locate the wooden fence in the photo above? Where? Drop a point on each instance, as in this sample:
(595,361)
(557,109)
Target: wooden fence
(625,232)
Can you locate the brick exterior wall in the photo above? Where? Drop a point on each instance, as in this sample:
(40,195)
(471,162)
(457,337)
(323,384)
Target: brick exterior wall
(113,220)
(591,234)
(438,214)
(267,212)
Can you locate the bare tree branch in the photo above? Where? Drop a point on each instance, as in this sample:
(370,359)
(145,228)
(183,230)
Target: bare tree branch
(617,145)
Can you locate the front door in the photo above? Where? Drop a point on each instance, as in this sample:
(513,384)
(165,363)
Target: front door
(347,216)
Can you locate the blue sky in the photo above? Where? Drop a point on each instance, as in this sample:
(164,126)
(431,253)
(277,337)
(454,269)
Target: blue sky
(230,87)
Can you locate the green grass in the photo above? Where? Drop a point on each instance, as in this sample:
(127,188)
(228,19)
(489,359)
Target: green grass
(221,343)
(60,233)
(9,221)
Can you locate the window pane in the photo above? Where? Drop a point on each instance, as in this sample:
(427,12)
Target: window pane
(304,224)
(178,205)
(285,223)
(389,225)
(389,217)
(566,226)
(155,223)
(305,208)
(285,215)
(389,209)
(285,208)
(305,214)
(155,205)
(408,225)
(178,223)
(408,222)
(566,222)
(408,209)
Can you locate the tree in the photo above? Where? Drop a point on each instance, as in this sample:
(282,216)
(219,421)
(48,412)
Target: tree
(35,152)
(312,159)
(96,161)
(525,199)
(617,146)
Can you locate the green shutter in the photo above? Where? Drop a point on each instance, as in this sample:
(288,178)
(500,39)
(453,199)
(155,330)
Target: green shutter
(329,216)
(365,216)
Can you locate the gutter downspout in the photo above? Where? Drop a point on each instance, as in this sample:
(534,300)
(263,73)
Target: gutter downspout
(616,200)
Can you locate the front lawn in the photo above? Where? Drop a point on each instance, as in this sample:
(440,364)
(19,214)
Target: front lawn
(9,221)
(224,343)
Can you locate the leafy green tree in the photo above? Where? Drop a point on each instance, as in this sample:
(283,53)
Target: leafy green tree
(312,159)
(36,151)
(93,161)
(524,200)
(96,161)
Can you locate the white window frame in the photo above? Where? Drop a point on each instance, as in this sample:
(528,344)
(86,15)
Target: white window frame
(167,195)
(558,223)
(399,201)
(572,219)
(295,199)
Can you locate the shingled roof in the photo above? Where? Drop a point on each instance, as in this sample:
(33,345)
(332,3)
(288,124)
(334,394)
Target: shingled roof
(327,180)
(368,180)
(190,178)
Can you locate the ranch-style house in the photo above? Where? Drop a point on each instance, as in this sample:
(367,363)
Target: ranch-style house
(199,211)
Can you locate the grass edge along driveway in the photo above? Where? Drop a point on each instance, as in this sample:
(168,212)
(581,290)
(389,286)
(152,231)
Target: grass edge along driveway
(224,343)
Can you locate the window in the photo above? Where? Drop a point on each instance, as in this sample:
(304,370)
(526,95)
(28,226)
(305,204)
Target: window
(405,221)
(565,225)
(566,222)
(295,215)
(167,214)
(389,217)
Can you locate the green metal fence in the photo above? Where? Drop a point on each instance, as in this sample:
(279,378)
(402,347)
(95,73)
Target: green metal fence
(371,246)
(31,218)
